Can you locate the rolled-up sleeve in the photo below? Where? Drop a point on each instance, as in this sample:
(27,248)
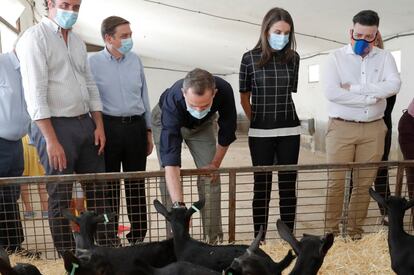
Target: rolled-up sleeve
(31,51)
(331,83)
(171,139)
(227,120)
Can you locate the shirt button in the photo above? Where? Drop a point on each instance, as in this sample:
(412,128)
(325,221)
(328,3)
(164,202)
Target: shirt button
(363,72)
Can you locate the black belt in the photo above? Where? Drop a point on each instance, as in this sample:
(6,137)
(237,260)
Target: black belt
(354,121)
(123,119)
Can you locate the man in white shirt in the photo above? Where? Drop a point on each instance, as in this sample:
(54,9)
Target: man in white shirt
(357,80)
(63,101)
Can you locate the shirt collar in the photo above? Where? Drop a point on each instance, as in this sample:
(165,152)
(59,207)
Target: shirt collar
(51,24)
(14,60)
(349,50)
(109,56)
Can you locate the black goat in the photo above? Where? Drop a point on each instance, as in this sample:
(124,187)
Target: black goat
(401,245)
(311,250)
(92,264)
(177,268)
(87,264)
(215,257)
(250,263)
(157,254)
(19,269)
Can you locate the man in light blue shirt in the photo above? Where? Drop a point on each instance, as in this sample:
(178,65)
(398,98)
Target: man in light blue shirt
(14,121)
(120,78)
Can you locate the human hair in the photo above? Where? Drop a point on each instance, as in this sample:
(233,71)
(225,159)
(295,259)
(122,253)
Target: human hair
(46,5)
(109,25)
(287,53)
(367,18)
(379,43)
(200,81)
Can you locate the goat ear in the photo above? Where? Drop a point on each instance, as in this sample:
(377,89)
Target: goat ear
(327,243)
(200,204)
(409,204)
(68,215)
(377,197)
(69,259)
(285,234)
(256,242)
(161,208)
(4,257)
(197,206)
(101,218)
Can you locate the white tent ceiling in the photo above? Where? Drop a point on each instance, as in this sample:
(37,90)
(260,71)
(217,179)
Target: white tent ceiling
(182,34)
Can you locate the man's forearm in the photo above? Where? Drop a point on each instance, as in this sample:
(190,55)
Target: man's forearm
(172,178)
(219,156)
(97,118)
(46,127)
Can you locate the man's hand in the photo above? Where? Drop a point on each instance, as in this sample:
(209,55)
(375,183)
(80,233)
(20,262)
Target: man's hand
(56,154)
(100,139)
(214,176)
(346,86)
(150,144)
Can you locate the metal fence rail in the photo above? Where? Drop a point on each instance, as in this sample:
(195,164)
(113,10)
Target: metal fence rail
(236,200)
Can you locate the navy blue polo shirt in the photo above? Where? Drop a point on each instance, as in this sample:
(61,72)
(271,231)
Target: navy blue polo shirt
(175,115)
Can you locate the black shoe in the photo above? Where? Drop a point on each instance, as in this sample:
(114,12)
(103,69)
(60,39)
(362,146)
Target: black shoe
(23,252)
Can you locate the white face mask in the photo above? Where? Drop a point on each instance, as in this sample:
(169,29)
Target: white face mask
(66,19)
(198,114)
(278,41)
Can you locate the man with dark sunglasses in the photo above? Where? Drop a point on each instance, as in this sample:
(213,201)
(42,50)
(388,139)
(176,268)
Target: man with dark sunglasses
(358,78)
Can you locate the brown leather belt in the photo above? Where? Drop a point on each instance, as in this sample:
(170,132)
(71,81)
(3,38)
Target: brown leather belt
(354,121)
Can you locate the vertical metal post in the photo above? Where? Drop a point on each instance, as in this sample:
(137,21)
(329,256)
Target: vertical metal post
(232,206)
(399,181)
(347,195)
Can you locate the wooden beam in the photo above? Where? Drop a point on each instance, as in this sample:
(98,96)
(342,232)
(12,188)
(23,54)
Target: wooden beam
(9,26)
(93,47)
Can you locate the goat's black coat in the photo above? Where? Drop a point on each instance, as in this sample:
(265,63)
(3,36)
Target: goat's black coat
(401,244)
(250,263)
(215,257)
(157,254)
(177,268)
(19,269)
(311,250)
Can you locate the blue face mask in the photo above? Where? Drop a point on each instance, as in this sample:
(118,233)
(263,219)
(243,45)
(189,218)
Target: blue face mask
(198,114)
(66,19)
(360,46)
(126,45)
(278,41)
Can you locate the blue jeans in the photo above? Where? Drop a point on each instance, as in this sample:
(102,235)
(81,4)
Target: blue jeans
(11,165)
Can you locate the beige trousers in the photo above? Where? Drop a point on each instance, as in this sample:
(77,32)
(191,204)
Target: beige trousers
(352,142)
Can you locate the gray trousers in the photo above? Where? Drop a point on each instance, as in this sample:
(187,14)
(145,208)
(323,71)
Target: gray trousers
(202,144)
(76,135)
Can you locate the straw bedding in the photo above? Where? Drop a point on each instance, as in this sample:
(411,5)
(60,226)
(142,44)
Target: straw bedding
(367,256)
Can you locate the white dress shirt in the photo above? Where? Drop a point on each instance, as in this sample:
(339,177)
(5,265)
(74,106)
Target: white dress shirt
(56,77)
(372,79)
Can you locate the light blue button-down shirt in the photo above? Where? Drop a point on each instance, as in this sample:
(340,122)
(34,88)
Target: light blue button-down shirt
(14,118)
(122,85)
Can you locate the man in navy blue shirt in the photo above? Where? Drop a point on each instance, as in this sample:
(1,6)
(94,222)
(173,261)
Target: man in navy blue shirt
(187,111)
